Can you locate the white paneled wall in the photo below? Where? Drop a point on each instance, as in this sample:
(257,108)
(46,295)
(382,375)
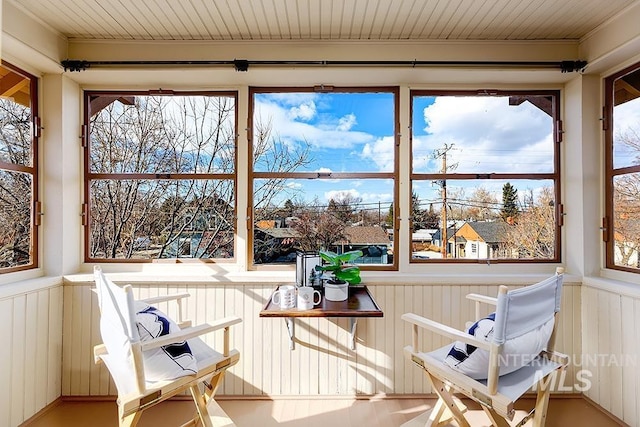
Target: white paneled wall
(322,363)
(30,360)
(611,352)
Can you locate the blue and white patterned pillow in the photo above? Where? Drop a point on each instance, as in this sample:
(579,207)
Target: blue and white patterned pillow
(169,361)
(516,352)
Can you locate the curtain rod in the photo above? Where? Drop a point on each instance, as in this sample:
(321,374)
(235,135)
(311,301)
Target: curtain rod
(244,64)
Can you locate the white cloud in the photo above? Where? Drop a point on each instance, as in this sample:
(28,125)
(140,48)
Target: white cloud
(305,112)
(367,198)
(289,123)
(345,123)
(381,152)
(627,116)
(487,135)
(376,197)
(626,123)
(339,194)
(294,185)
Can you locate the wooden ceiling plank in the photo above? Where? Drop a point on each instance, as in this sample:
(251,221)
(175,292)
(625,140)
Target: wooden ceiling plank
(323,20)
(419,13)
(22,98)
(237,19)
(492,21)
(150,26)
(436,20)
(12,83)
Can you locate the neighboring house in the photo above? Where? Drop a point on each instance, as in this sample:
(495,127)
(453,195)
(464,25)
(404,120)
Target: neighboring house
(201,234)
(373,241)
(422,239)
(625,252)
(273,243)
(437,236)
(279,244)
(479,240)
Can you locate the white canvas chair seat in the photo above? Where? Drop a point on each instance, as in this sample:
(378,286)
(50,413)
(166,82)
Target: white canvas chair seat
(511,386)
(517,312)
(123,353)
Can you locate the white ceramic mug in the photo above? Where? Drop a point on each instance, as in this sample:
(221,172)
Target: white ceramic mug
(285,297)
(307,298)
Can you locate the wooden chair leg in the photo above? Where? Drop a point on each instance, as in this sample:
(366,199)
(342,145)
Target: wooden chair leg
(201,406)
(130,420)
(542,403)
(495,419)
(212,385)
(441,415)
(450,404)
(210,388)
(435,419)
(209,413)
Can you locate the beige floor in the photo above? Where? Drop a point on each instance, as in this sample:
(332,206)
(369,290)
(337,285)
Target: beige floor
(305,413)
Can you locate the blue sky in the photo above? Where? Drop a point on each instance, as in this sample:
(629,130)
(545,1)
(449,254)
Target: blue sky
(346,132)
(353,132)
(626,121)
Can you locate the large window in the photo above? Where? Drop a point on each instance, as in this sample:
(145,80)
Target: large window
(160,175)
(19,208)
(324,168)
(622,123)
(485,176)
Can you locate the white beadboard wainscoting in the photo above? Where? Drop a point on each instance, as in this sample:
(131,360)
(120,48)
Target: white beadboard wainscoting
(322,362)
(611,348)
(31,355)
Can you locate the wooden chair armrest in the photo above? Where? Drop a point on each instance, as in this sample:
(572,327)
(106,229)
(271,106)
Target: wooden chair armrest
(483,298)
(178,298)
(444,330)
(189,333)
(165,298)
(184,324)
(99,350)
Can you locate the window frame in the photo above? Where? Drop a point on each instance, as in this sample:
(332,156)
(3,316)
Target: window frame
(36,212)
(394,175)
(89,176)
(555,176)
(608,231)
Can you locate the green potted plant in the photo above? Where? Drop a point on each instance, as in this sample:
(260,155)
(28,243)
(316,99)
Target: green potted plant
(342,272)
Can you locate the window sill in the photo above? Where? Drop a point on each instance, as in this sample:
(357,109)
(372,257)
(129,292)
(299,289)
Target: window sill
(23,287)
(614,286)
(198,275)
(186,276)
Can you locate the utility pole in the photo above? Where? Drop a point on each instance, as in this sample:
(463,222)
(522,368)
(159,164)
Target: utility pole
(442,153)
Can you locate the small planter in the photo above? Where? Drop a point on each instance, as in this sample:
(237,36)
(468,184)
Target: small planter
(336,291)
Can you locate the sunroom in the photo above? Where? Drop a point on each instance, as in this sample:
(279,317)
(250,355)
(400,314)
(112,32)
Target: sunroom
(197,147)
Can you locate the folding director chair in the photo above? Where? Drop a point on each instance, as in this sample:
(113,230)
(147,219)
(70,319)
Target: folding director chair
(519,312)
(126,356)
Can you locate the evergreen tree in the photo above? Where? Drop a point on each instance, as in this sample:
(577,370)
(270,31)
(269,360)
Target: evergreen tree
(389,219)
(431,217)
(509,203)
(289,208)
(417,214)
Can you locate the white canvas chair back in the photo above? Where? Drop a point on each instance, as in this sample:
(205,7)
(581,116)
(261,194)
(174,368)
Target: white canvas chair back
(118,330)
(523,310)
(126,357)
(531,310)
